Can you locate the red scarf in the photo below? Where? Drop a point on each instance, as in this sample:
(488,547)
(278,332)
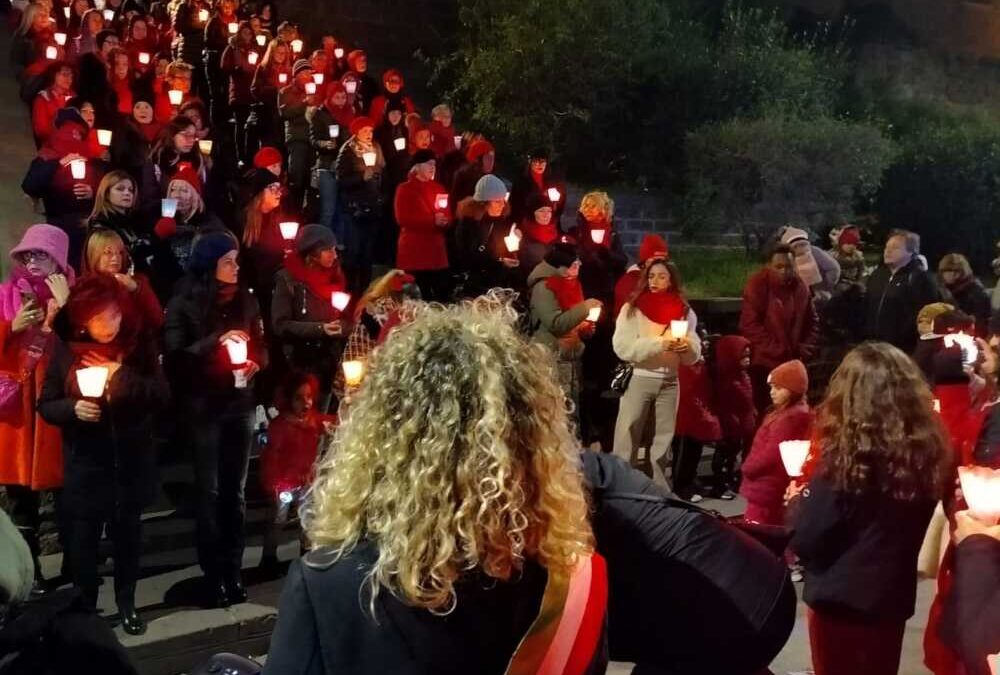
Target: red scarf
(568,292)
(320,282)
(67,139)
(543,234)
(662,308)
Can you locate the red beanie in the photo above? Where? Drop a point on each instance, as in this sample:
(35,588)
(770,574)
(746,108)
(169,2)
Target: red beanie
(359,123)
(392,72)
(267,156)
(653,246)
(790,375)
(849,235)
(187,173)
(353,57)
(478,149)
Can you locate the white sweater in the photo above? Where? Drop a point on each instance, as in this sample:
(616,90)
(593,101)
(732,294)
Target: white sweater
(639,341)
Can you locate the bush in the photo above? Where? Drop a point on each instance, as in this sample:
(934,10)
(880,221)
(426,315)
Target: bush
(759,174)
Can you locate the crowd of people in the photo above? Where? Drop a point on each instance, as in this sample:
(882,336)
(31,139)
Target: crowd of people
(244,232)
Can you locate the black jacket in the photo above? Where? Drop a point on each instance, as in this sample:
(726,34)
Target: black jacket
(892,301)
(859,552)
(360,185)
(971,620)
(480,245)
(150,254)
(524,188)
(973,299)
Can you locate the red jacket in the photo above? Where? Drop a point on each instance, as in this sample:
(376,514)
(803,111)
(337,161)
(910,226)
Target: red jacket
(624,287)
(123,89)
(695,418)
(733,391)
(779,319)
(43,114)
(287,460)
(764,475)
(421,242)
(442,138)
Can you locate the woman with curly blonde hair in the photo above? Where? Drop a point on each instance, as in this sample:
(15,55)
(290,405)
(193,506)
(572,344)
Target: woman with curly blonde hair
(881,461)
(448,514)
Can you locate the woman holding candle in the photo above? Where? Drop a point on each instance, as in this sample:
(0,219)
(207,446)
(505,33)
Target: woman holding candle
(104,252)
(861,517)
(239,62)
(177,144)
(422,250)
(265,246)
(32,37)
(392,92)
(30,299)
(293,99)
(329,126)
(57,89)
(655,333)
(273,73)
(486,258)
(190,218)
(209,309)
(534,182)
(539,230)
(304,313)
(107,435)
(189,40)
(141,44)
(368,88)
(359,168)
(177,77)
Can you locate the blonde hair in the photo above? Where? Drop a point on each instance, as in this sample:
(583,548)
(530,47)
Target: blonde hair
(28,19)
(457,456)
(439,110)
(102,201)
(600,201)
(94,247)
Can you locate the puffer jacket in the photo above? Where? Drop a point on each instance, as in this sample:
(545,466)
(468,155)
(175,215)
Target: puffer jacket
(554,326)
(764,475)
(733,390)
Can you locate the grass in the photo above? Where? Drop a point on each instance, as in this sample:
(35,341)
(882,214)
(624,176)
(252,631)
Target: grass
(714,272)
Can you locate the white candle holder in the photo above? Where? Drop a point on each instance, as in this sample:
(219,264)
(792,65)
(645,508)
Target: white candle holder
(793,456)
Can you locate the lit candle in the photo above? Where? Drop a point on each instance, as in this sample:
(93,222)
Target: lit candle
(554,195)
(51,53)
(233,27)
(261,40)
(339,52)
(66,12)
(288,229)
(78,167)
(168,207)
(252,58)
(318,78)
(109,15)
(981,489)
(351,86)
(203,15)
(282,78)
(512,240)
(144,58)
(176,96)
(104,137)
(334,130)
(937,405)
(458,142)
(60,39)
(678,329)
(793,456)
(238,357)
(296,46)
(205,146)
(400,143)
(310,88)
(340,300)
(369,158)
(598,236)
(994,662)
(353,372)
(594,314)
(92,381)
(441,201)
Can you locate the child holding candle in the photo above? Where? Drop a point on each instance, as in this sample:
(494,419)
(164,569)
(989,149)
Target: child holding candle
(645,338)
(860,520)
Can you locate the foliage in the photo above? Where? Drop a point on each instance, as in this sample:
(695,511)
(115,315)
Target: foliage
(714,272)
(760,173)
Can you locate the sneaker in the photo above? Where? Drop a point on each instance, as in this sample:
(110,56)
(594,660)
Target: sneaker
(797,575)
(696,498)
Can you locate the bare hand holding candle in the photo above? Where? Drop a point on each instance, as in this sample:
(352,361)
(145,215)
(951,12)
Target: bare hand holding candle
(793,456)
(981,489)
(678,329)
(288,230)
(340,300)
(237,349)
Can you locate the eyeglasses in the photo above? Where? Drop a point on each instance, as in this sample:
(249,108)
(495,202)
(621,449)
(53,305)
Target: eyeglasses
(35,256)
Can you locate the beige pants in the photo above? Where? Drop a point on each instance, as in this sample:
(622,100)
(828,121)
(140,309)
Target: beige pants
(647,397)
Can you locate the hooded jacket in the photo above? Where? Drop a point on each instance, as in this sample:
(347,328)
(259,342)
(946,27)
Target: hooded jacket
(553,326)
(695,417)
(764,475)
(779,320)
(733,390)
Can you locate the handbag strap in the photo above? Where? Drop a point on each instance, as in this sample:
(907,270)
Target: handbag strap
(666,501)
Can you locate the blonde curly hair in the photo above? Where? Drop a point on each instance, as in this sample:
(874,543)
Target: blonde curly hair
(456,456)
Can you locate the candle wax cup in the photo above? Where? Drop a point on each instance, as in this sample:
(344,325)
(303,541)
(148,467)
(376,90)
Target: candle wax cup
(400,143)
(353,372)
(369,158)
(238,351)
(597,236)
(92,381)
(78,168)
(594,314)
(51,53)
(340,300)
(288,229)
(168,208)
(678,329)
(334,131)
(793,456)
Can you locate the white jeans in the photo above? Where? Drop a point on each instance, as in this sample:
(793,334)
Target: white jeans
(647,400)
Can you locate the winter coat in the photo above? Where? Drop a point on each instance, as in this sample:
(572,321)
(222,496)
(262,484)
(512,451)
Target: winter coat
(53,183)
(733,392)
(972,610)
(297,318)
(189,34)
(553,326)
(235,63)
(422,243)
(859,552)
(829,271)
(32,448)
(524,188)
(325,146)
(764,477)
(852,267)
(971,298)
(779,320)
(43,114)
(182,240)
(638,340)
(217,38)
(601,264)
(109,464)
(286,462)
(480,243)
(892,301)
(360,186)
(148,253)
(695,417)
(292,103)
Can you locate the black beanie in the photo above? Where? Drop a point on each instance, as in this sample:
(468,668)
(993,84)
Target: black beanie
(313,237)
(422,156)
(207,250)
(561,254)
(537,200)
(260,179)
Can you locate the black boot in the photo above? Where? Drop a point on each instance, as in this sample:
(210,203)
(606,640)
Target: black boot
(235,592)
(132,623)
(215,593)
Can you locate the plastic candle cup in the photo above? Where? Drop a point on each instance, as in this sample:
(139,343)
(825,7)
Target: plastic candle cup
(369,158)
(554,195)
(318,78)
(598,236)
(441,201)
(594,314)
(203,15)
(353,372)
(51,53)
(261,40)
(994,662)
(176,96)
(288,229)
(678,329)
(340,300)
(297,46)
(937,405)
(66,12)
(168,207)
(793,456)
(104,137)
(400,143)
(512,240)
(78,167)
(252,58)
(205,146)
(92,381)
(144,58)
(238,357)
(109,15)
(310,88)
(981,488)
(60,38)
(282,78)
(351,86)
(233,27)
(339,52)
(334,131)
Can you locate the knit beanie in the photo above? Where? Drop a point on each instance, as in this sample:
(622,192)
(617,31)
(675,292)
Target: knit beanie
(489,188)
(954,321)
(849,235)
(359,123)
(69,114)
(539,153)
(422,157)
(314,237)
(186,172)
(207,250)
(300,66)
(538,200)
(790,375)
(653,246)
(478,149)
(267,156)
(560,254)
(793,234)
(260,179)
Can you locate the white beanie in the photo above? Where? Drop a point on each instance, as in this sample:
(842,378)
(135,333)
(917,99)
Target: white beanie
(489,188)
(793,234)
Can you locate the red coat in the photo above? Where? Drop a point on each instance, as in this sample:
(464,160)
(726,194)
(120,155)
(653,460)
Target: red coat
(43,114)
(287,461)
(695,418)
(764,475)
(442,138)
(778,319)
(422,243)
(733,390)
(124,91)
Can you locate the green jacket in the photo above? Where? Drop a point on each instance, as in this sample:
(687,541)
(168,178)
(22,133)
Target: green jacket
(551,324)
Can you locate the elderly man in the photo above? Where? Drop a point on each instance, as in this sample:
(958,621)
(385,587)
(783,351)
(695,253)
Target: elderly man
(896,291)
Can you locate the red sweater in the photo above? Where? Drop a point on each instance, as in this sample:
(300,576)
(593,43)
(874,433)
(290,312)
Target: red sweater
(764,475)
(422,243)
(287,460)
(44,109)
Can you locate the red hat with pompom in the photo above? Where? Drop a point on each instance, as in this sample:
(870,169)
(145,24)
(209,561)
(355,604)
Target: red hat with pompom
(653,246)
(187,173)
(478,149)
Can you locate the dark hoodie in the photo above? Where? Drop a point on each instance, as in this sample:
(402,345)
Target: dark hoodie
(733,391)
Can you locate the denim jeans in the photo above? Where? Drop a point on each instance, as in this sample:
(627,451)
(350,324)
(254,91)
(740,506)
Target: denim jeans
(329,215)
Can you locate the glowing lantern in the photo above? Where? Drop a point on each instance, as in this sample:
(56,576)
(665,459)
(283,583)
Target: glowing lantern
(981,488)
(203,15)
(92,381)
(554,195)
(297,46)
(594,314)
(104,137)
(369,158)
(51,53)
(109,15)
(598,236)
(400,143)
(168,208)
(339,52)
(288,229)
(78,167)
(60,39)
(793,456)
(340,300)
(937,405)
(205,146)
(678,329)
(176,96)
(458,142)
(282,78)
(351,86)
(353,372)
(310,88)
(144,58)
(512,240)
(441,201)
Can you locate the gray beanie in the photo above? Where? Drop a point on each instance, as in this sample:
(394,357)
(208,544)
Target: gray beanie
(489,188)
(312,237)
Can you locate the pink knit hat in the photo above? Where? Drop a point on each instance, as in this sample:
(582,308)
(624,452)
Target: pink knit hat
(48,238)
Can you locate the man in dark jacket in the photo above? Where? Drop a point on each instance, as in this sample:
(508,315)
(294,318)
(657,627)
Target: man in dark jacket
(896,292)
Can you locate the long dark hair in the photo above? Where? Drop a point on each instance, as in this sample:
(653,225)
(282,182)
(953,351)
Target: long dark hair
(163,152)
(642,285)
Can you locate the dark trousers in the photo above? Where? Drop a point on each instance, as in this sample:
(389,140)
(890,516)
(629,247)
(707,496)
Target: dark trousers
(23,505)
(83,539)
(241,112)
(686,457)
(221,458)
(761,389)
(724,463)
(299,169)
(435,285)
(362,231)
(218,99)
(850,646)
